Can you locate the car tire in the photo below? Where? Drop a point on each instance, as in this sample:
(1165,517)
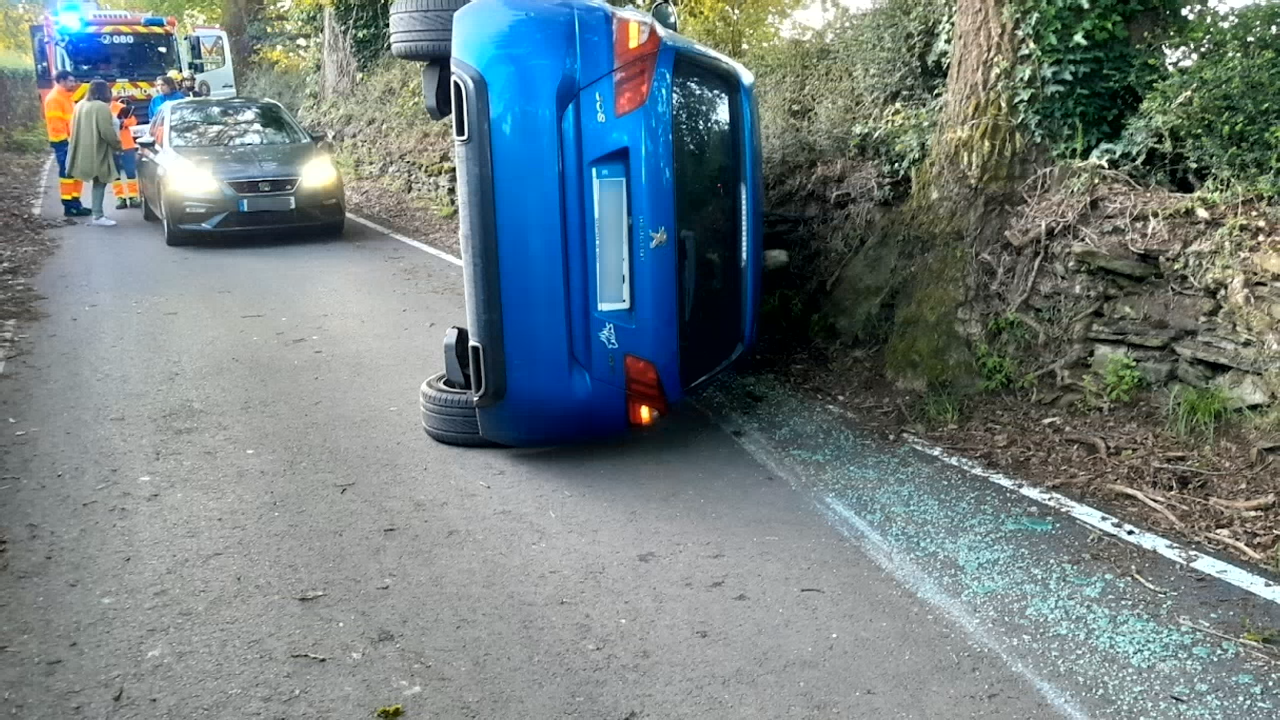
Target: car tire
(422,30)
(173,236)
(148,212)
(449,416)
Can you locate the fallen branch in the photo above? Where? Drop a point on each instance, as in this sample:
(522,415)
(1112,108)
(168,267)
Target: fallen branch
(1165,499)
(1141,497)
(1262,503)
(1248,551)
(1184,468)
(1031,283)
(1098,443)
(1134,574)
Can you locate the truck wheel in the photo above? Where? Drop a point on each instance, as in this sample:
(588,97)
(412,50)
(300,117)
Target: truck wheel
(448,415)
(422,30)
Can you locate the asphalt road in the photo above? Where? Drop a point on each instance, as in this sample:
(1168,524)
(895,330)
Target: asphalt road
(212,433)
(218,503)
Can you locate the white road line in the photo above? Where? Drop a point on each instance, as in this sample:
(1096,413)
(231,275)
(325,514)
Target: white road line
(37,205)
(1099,520)
(913,577)
(406,240)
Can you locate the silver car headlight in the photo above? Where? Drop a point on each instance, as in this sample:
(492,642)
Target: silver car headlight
(319,172)
(190,179)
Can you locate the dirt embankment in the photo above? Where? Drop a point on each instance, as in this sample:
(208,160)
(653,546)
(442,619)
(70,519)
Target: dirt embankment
(1127,350)
(24,244)
(397,163)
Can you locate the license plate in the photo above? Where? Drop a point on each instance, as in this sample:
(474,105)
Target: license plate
(266,204)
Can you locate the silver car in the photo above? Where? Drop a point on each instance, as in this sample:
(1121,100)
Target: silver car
(220,166)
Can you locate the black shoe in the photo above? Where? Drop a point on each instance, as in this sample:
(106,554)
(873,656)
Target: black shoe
(121,203)
(135,203)
(77,212)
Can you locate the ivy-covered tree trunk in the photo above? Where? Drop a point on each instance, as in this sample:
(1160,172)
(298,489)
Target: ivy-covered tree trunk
(239,19)
(958,198)
(338,70)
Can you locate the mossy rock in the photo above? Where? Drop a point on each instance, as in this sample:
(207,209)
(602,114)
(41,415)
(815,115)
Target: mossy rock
(856,308)
(927,348)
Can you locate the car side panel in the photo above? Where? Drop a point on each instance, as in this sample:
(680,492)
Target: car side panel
(549,396)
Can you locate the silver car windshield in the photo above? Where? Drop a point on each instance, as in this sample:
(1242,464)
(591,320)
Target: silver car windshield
(232,125)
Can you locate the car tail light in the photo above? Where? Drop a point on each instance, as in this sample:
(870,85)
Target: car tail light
(645,400)
(635,59)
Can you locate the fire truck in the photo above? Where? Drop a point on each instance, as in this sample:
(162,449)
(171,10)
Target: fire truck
(128,50)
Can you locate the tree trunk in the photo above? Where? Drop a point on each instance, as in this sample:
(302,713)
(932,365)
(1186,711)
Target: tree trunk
(958,198)
(338,75)
(240,19)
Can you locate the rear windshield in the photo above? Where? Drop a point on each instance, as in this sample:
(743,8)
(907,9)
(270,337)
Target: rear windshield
(235,124)
(706,128)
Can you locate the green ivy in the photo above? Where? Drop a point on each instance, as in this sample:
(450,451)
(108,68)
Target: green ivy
(1083,66)
(368,21)
(1216,119)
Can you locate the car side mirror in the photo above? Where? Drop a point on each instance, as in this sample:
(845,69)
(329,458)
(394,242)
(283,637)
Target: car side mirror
(146,142)
(665,13)
(322,141)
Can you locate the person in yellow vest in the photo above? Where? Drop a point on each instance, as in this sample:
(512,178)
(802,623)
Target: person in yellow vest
(126,185)
(59,106)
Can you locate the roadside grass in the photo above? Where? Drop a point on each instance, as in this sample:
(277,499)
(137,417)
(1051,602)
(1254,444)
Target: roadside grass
(942,408)
(29,139)
(1197,412)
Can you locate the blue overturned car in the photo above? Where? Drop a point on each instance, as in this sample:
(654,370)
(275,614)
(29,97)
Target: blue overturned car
(609,201)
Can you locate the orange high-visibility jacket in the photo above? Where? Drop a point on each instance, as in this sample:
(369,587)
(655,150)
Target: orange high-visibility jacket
(126,136)
(58,108)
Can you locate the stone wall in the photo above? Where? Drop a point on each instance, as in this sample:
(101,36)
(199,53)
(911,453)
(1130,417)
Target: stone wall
(1189,290)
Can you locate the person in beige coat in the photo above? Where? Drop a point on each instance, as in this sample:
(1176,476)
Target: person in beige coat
(95,138)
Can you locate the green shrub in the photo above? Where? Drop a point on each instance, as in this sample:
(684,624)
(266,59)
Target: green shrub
(864,86)
(19,98)
(1083,67)
(21,120)
(1117,383)
(998,371)
(1216,117)
(1121,379)
(1007,337)
(1197,411)
(896,139)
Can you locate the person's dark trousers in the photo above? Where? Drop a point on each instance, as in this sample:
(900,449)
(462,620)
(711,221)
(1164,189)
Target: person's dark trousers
(69,188)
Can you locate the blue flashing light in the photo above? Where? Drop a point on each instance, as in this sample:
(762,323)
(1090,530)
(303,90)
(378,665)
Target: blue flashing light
(70,20)
(153,21)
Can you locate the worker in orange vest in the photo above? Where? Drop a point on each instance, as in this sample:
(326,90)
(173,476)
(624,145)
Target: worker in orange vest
(126,185)
(58,108)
